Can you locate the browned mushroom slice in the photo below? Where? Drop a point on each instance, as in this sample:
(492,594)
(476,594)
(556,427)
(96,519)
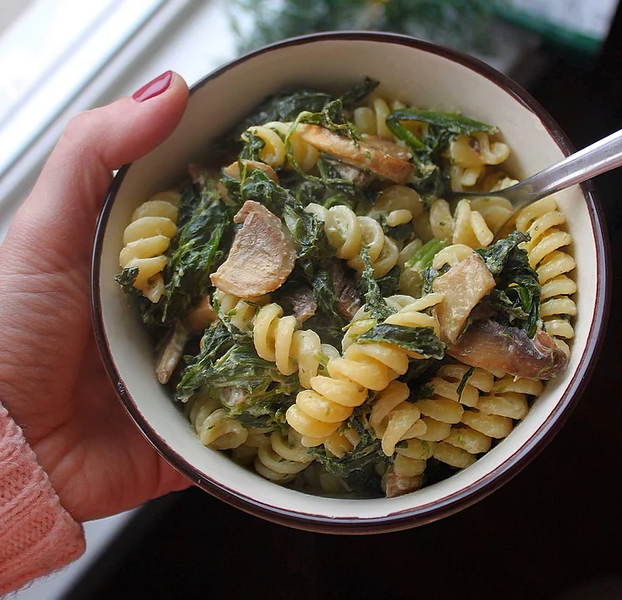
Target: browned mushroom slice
(347,297)
(388,146)
(357,177)
(233,170)
(301,302)
(197,320)
(171,352)
(490,345)
(262,255)
(463,287)
(357,154)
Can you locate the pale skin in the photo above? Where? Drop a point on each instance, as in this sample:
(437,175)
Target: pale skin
(52,380)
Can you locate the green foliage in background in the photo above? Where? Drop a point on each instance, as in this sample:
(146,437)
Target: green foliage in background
(462,24)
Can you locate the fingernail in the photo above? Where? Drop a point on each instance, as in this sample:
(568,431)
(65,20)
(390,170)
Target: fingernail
(154,88)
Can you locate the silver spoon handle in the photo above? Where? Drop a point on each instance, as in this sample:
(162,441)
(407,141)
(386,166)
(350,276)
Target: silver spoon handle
(604,155)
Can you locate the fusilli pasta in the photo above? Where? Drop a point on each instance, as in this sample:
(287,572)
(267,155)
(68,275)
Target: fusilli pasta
(147,238)
(543,222)
(274,152)
(215,427)
(281,458)
(318,412)
(348,233)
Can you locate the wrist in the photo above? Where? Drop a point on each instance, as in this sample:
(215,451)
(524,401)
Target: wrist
(37,535)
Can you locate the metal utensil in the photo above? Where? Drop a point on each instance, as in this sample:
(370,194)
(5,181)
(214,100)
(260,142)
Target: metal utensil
(597,158)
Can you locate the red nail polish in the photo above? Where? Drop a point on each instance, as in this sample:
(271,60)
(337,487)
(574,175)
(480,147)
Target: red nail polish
(154,88)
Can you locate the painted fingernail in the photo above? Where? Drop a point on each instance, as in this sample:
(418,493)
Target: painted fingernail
(154,88)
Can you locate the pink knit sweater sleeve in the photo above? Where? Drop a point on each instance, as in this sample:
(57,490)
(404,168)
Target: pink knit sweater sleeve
(37,535)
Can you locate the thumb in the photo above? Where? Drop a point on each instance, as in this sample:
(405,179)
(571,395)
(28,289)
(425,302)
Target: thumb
(66,199)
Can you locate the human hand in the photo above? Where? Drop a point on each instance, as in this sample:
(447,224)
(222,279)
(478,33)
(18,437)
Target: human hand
(52,380)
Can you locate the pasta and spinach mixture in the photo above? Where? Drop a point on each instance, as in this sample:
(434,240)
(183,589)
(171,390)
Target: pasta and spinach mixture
(327,317)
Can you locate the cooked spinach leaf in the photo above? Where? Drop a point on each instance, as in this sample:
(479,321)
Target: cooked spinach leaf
(331,117)
(497,254)
(195,251)
(418,266)
(255,184)
(463,382)
(423,257)
(285,106)
(214,343)
(429,180)
(308,232)
(202,224)
(357,467)
(421,340)
(389,284)
(252,147)
(449,124)
(371,291)
(418,373)
(327,323)
(357,93)
(516,297)
(250,388)
(126,279)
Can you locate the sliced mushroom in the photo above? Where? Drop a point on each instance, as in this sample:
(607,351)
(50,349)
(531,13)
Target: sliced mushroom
(301,302)
(388,146)
(357,154)
(347,297)
(233,170)
(172,352)
(262,255)
(490,345)
(463,287)
(201,315)
(357,177)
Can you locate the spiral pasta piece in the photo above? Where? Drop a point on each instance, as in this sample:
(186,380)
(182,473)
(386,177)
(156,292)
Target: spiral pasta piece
(348,233)
(398,204)
(215,427)
(372,119)
(281,458)
(277,339)
(393,418)
(465,226)
(496,211)
(274,152)
(238,311)
(245,453)
(147,238)
(317,478)
(492,417)
(446,407)
(543,222)
(319,411)
(470,155)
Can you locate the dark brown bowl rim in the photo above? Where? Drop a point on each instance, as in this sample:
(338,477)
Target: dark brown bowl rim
(492,480)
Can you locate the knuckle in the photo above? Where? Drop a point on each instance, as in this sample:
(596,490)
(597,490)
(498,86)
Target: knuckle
(77,127)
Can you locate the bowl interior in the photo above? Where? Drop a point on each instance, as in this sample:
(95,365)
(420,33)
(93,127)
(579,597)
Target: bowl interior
(415,75)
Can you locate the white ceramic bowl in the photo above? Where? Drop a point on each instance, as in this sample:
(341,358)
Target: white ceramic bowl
(421,74)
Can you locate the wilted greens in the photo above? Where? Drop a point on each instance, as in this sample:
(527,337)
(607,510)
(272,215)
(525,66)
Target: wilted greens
(312,252)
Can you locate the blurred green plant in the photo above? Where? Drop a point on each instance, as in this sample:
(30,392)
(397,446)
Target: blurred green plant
(462,24)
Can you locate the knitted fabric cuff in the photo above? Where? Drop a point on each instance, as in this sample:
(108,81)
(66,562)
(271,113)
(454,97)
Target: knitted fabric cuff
(37,535)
